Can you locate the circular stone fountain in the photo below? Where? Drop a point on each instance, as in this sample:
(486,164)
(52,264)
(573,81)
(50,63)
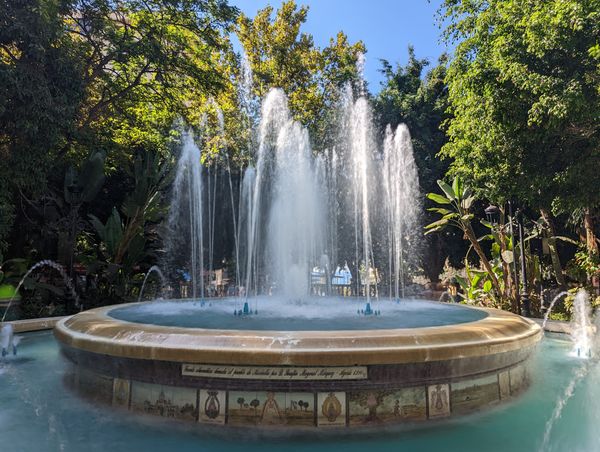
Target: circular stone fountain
(298,365)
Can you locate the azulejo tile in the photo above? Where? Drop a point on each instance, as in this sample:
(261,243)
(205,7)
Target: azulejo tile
(121,392)
(473,394)
(212,406)
(166,401)
(383,406)
(331,408)
(300,409)
(438,397)
(519,380)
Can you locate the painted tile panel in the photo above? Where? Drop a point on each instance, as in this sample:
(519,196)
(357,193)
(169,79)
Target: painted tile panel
(376,407)
(438,397)
(212,406)
(331,408)
(518,379)
(256,408)
(470,395)
(300,409)
(166,401)
(121,392)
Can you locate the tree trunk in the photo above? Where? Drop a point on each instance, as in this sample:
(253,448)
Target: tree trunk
(590,237)
(468,229)
(560,277)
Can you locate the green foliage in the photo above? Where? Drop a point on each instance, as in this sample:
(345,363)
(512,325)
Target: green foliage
(83,185)
(456,201)
(78,76)
(40,89)
(281,56)
(524,98)
(123,239)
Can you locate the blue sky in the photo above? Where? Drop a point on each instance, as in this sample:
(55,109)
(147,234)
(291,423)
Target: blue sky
(386,27)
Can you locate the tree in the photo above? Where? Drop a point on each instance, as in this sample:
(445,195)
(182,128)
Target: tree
(240,402)
(524,98)
(40,89)
(282,57)
(78,76)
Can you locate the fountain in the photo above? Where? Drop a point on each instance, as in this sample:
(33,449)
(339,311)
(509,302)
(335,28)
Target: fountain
(306,360)
(402,190)
(585,346)
(8,340)
(154,269)
(50,264)
(551,306)
(582,330)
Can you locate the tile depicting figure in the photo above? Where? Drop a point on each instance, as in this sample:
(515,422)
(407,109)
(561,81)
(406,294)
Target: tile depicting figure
(373,407)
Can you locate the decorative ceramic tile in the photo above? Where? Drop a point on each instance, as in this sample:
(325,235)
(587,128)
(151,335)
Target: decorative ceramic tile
(368,407)
(257,408)
(504,383)
(300,408)
(243,408)
(272,408)
(438,400)
(167,401)
(518,379)
(470,395)
(121,390)
(331,408)
(410,403)
(212,406)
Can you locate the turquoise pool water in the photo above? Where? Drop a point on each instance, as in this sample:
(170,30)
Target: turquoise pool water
(312,314)
(37,413)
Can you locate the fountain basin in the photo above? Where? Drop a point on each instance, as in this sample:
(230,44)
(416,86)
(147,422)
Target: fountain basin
(343,377)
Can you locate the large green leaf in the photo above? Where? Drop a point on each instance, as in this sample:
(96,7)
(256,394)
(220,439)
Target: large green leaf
(467,202)
(114,232)
(487,286)
(437,224)
(457,187)
(440,210)
(447,189)
(438,198)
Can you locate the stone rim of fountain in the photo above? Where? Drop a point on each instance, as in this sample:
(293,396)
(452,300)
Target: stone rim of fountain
(96,331)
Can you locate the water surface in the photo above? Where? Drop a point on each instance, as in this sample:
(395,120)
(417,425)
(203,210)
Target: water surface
(313,314)
(37,413)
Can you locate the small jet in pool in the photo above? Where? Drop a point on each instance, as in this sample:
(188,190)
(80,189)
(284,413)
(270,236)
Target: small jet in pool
(8,340)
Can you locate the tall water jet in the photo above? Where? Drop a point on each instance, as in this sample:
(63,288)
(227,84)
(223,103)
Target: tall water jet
(551,306)
(284,206)
(154,269)
(401,181)
(582,330)
(185,236)
(50,264)
(357,154)
(221,123)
